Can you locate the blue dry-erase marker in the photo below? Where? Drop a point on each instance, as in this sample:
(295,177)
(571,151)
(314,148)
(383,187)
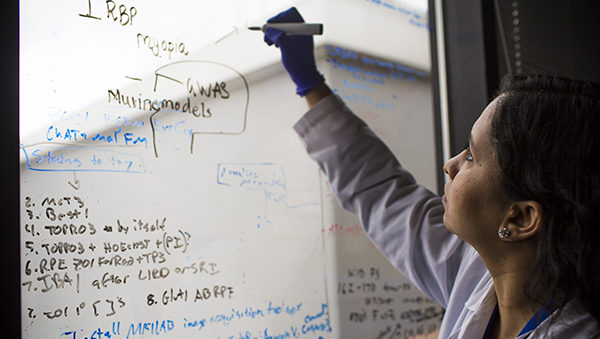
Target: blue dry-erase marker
(292,28)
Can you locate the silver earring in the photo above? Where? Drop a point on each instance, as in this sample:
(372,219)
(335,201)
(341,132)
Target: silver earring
(503,233)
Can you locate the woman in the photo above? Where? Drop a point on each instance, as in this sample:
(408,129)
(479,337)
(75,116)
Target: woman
(508,250)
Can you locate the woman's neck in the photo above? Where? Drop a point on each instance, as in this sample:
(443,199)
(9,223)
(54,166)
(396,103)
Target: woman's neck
(515,309)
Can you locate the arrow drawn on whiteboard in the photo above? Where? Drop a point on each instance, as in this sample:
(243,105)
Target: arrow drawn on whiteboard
(76,184)
(235,30)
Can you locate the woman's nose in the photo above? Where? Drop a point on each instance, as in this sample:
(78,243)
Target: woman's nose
(450,168)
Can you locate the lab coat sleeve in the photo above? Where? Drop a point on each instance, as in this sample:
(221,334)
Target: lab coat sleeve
(403,219)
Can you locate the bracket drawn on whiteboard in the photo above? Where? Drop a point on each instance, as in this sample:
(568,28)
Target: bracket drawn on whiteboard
(216,98)
(267,177)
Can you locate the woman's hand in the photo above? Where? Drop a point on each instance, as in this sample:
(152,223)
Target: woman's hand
(297,52)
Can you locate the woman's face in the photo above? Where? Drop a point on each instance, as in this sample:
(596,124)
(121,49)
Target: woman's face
(474,204)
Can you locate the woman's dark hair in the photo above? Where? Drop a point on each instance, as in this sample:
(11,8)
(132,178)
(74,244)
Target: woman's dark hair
(546,134)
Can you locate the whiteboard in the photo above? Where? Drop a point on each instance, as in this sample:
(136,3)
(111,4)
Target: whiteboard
(164,193)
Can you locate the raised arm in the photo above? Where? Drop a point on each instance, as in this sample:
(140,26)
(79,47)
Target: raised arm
(402,218)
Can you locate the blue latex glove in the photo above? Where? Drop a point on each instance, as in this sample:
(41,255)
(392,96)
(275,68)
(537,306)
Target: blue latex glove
(297,52)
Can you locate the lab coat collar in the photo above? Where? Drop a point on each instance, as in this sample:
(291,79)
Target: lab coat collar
(480,306)
(483,299)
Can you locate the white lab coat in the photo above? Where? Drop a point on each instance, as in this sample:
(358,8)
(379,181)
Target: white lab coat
(405,221)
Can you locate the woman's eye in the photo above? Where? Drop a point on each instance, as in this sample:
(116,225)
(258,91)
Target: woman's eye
(468,155)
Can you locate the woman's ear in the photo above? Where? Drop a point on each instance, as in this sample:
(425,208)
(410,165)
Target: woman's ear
(523,221)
